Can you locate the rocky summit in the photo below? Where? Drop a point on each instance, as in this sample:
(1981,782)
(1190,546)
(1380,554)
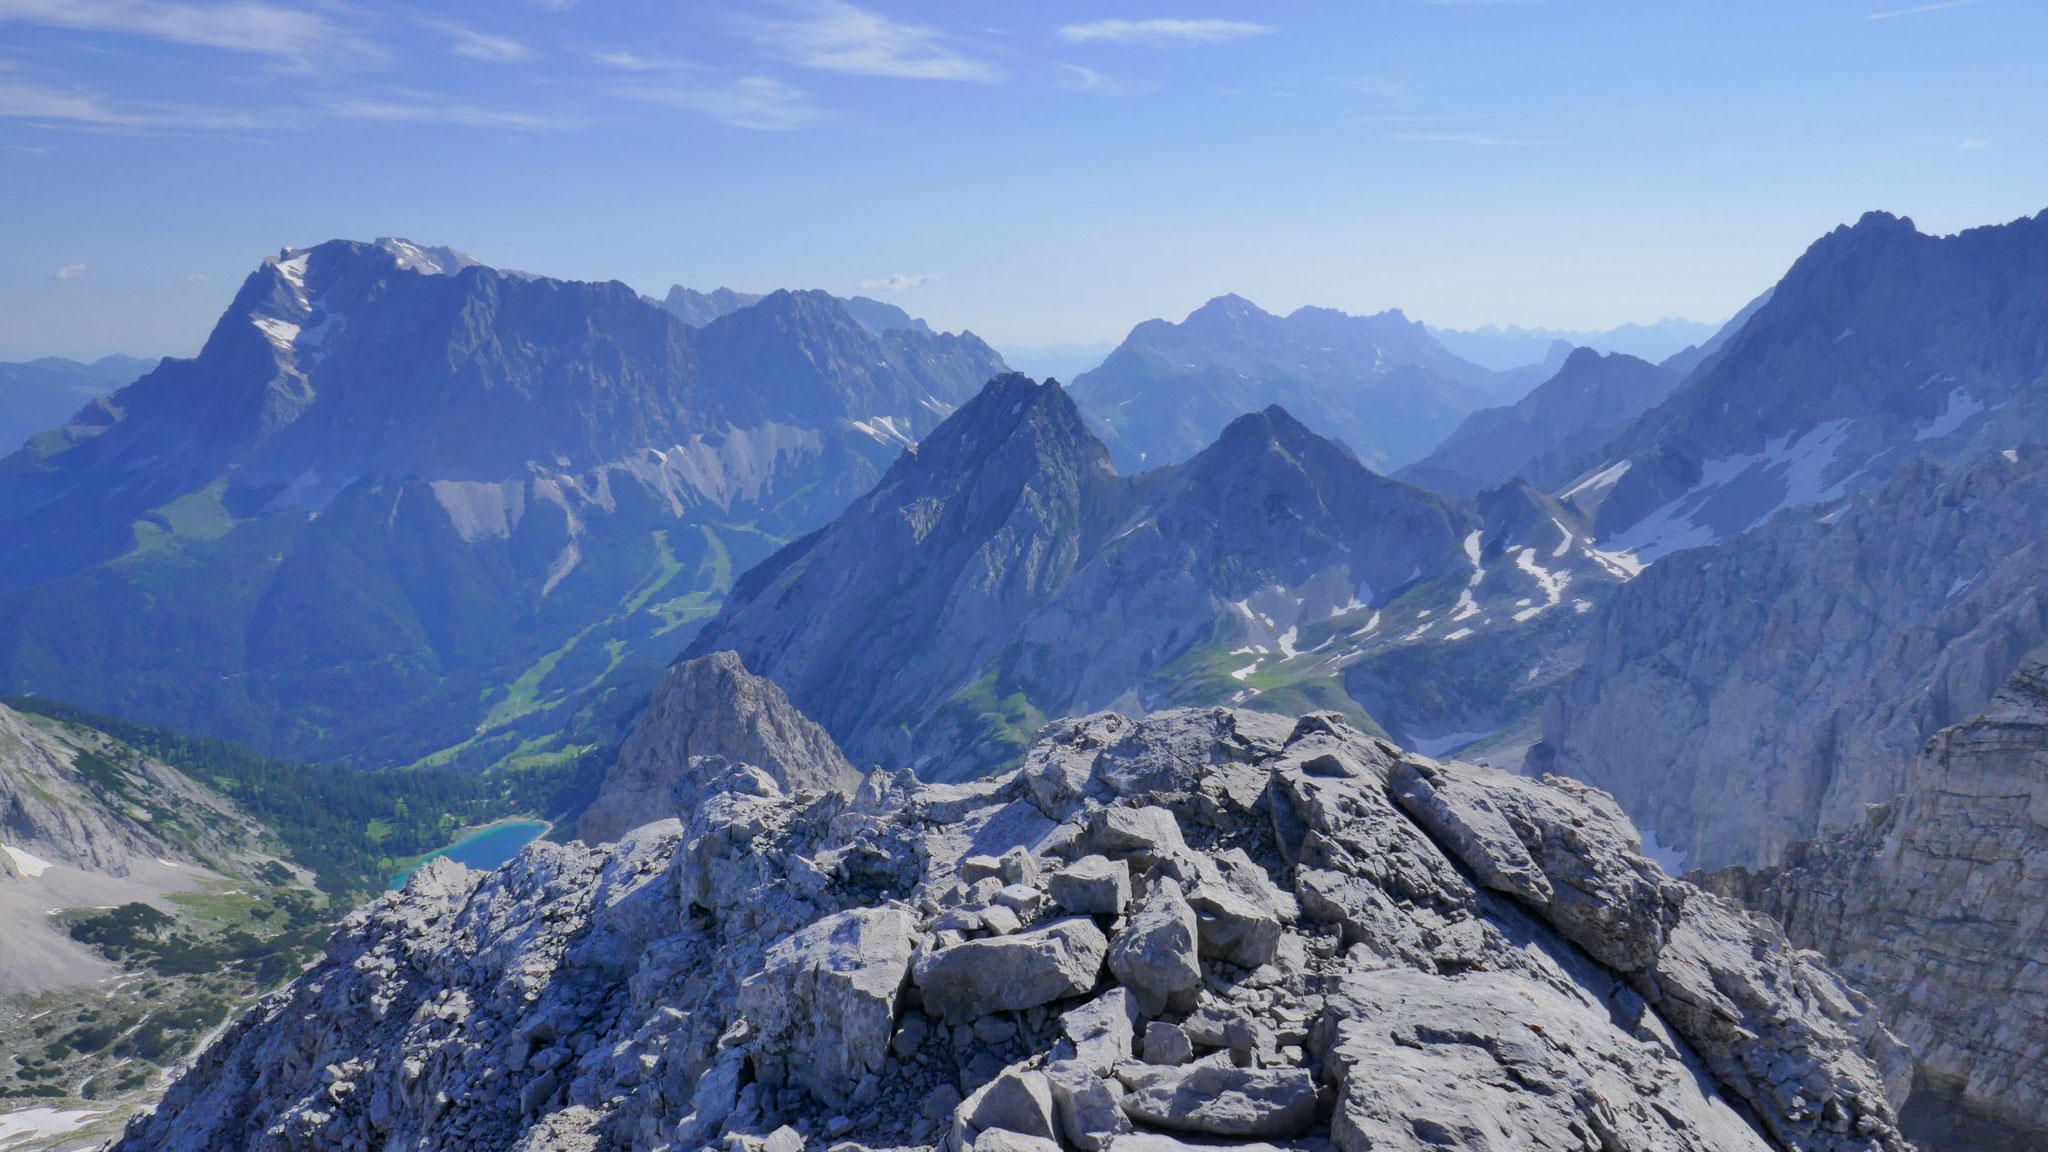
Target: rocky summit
(1206,927)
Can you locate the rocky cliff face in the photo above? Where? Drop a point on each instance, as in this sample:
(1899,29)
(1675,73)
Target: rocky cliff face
(1206,926)
(1542,437)
(63,802)
(404,504)
(87,823)
(1380,383)
(1741,697)
(1932,905)
(707,720)
(1003,573)
(1879,345)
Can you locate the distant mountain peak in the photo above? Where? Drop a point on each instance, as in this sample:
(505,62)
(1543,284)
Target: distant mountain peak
(424,259)
(1272,424)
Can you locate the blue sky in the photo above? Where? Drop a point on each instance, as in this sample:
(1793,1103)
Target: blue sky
(1039,173)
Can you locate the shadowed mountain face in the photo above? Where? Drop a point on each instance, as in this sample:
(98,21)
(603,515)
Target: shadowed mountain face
(1880,343)
(1380,383)
(1740,697)
(1003,572)
(401,502)
(1541,437)
(1931,904)
(1878,421)
(42,394)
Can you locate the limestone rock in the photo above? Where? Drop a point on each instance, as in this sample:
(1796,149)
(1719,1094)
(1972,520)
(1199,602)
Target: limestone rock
(970,980)
(706,985)
(1167,1044)
(1093,885)
(1016,1101)
(824,1002)
(1240,913)
(707,717)
(1155,955)
(1932,905)
(1101,1030)
(1088,1107)
(1222,1100)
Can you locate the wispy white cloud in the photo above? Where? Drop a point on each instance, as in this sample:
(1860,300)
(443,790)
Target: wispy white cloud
(898,282)
(31,149)
(84,108)
(68,272)
(835,36)
(290,36)
(197,278)
(1919,9)
(1075,78)
(1162,33)
(428,108)
(634,62)
(80,107)
(472,44)
(1472,139)
(759,103)
(1973,144)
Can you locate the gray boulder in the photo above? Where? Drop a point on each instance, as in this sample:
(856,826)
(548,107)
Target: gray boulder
(1019,1100)
(1219,1099)
(1101,1030)
(824,1002)
(1093,885)
(1155,955)
(1167,1044)
(970,980)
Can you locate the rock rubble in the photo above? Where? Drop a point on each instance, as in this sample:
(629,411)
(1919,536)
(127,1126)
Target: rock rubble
(1324,940)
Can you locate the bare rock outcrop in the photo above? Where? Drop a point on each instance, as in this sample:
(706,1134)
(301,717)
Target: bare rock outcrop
(707,718)
(1447,956)
(1932,905)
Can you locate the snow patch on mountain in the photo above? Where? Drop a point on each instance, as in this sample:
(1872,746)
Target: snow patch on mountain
(27,864)
(1961,405)
(1739,492)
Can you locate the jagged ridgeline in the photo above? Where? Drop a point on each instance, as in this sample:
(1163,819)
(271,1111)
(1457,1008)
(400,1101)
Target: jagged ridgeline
(403,506)
(1204,929)
(1003,572)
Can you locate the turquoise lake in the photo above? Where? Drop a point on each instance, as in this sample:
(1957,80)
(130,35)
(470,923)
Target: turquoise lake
(486,849)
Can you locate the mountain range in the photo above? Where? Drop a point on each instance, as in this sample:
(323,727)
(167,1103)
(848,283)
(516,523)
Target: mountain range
(42,394)
(1032,766)
(1379,383)
(402,503)
(1511,346)
(1003,572)
(1881,343)
(1560,426)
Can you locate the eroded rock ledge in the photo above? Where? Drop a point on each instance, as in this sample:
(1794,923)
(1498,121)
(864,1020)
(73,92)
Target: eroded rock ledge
(1208,924)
